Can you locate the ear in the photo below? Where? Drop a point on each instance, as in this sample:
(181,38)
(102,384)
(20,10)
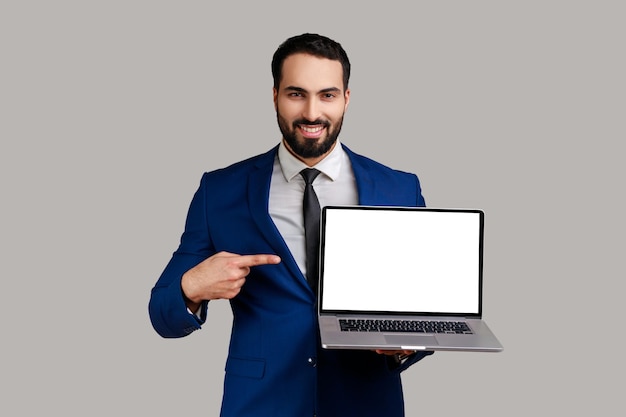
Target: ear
(275,95)
(346,96)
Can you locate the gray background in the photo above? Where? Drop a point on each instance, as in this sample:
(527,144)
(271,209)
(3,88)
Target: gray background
(111,111)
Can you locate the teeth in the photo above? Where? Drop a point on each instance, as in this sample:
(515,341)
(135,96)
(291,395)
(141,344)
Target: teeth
(311,129)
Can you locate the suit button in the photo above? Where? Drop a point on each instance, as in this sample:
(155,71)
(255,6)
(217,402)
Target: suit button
(312,361)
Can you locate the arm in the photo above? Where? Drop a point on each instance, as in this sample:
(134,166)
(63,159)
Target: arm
(402,359)
(167,306)
(195,275)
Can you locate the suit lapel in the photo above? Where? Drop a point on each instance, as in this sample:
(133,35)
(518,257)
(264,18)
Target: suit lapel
(366,184)
(258,199)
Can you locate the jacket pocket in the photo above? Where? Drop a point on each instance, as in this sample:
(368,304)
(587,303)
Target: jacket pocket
(246,367)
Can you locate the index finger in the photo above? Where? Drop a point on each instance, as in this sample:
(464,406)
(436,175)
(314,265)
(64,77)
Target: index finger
(255,260)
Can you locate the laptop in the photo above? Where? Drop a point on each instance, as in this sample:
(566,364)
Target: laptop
(402,278)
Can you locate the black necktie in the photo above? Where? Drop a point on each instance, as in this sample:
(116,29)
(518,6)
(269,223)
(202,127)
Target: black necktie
(311,209)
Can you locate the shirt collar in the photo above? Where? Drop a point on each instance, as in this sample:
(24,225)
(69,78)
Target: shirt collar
(329,166)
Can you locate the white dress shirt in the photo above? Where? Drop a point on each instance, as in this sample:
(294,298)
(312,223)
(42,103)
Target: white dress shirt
(335,185)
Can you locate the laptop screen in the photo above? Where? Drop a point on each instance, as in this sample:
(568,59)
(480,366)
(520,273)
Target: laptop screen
(401,260)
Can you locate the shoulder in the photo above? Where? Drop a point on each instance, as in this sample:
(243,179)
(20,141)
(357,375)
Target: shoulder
(379,184)
(231,172)
(374,167)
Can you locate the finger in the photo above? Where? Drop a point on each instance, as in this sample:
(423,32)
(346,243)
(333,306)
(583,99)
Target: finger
(246,261)
(394,352)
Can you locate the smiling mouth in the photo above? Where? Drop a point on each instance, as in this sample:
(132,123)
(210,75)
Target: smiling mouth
(311,131)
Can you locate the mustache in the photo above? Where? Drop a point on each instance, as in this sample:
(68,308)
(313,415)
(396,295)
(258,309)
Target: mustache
(305,122)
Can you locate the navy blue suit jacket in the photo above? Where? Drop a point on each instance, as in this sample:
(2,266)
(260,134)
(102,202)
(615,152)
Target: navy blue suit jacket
(275,365)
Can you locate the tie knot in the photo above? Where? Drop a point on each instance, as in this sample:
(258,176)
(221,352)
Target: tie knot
(309,174)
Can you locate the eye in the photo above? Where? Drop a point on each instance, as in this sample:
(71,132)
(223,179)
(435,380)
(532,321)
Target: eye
(328,96)
(296,94)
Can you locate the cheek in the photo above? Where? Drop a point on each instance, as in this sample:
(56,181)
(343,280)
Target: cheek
(286,109)
(337,114)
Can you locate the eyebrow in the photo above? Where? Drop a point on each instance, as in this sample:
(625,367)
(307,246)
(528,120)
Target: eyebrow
(322,91)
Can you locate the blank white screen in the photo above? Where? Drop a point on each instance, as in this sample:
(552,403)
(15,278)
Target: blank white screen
(401,261)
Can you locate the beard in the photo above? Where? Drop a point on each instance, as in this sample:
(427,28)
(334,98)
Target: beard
(307,148)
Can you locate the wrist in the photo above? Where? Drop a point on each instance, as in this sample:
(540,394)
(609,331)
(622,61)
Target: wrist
(192,300)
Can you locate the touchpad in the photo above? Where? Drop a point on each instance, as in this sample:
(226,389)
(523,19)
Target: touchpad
(411,340)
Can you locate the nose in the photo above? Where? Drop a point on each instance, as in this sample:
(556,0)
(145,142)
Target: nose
(311,111)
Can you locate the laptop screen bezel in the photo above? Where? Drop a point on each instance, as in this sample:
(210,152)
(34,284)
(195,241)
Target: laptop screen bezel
(320,303)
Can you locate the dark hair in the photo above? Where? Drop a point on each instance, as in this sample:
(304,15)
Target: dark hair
(312,44)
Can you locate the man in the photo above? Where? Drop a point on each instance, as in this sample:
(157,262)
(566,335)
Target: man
(244,241)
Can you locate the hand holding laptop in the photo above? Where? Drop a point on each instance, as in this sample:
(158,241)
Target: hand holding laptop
(394,352)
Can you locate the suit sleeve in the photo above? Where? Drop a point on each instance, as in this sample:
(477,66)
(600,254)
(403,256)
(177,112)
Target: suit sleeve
(417,356)
(167,309)
(421,202)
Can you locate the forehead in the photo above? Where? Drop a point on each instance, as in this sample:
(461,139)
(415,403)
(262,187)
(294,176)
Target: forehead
(311,73)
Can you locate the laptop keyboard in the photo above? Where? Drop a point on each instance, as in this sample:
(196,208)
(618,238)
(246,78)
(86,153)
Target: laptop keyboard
(404,326)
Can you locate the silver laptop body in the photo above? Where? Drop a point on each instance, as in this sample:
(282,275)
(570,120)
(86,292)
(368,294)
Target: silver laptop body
(402,278)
